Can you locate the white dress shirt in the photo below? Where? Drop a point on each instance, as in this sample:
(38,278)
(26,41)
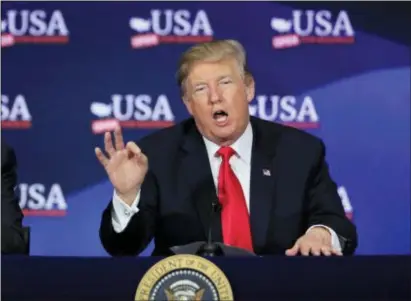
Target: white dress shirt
(241,165)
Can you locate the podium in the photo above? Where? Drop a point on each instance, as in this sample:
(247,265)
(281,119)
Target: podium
(251,278)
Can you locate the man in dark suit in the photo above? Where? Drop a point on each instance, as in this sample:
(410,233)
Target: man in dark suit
(272,181)
(12,238)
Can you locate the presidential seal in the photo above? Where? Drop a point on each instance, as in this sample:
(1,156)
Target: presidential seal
(185,278)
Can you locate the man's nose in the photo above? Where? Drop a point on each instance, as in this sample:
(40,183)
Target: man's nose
(215,95)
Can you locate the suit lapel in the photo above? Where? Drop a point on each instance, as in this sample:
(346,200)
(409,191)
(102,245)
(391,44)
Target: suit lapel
(263,179)
(195,168)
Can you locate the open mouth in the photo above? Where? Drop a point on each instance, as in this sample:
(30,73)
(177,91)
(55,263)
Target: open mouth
(220,116)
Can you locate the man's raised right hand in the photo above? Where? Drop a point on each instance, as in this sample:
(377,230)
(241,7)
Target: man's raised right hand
(126,166)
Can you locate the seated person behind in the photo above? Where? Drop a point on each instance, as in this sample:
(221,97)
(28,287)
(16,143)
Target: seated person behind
(12,237)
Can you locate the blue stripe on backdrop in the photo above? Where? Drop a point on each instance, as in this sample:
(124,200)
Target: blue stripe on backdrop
(353,91)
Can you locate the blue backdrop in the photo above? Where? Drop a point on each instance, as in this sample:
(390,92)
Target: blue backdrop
(71,70)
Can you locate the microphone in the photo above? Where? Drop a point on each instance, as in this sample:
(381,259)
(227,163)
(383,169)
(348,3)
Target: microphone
(215,208)
(210,248)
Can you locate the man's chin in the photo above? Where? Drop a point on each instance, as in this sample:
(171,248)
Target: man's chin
(225,136)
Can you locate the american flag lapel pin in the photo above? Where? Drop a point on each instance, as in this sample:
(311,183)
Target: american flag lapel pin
(267,172)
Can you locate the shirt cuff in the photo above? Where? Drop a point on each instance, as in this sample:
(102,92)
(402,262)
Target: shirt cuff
(122,213)
(335,242)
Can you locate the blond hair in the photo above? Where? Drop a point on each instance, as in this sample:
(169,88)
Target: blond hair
(213,51)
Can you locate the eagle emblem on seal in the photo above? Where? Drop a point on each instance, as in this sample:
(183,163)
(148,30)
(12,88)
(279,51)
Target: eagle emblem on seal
(184,290)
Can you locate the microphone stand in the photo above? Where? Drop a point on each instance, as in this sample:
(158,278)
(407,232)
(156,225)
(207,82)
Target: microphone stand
(210,248)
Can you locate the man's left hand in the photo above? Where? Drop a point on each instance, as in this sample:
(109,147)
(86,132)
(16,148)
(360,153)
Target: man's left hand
(316,242)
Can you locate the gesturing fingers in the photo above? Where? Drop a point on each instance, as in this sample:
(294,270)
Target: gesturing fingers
(132,147)
(101,157)
(116,155)
(117,159)
(108,144)
(118,138)
(139,155)
(142,160)
(110,150)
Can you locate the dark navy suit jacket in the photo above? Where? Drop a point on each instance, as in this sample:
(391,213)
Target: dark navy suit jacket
(178,192)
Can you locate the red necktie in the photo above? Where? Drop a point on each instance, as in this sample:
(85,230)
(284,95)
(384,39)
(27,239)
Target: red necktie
(234,215)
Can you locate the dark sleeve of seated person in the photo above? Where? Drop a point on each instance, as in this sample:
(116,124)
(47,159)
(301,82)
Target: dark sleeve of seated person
(12,238)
